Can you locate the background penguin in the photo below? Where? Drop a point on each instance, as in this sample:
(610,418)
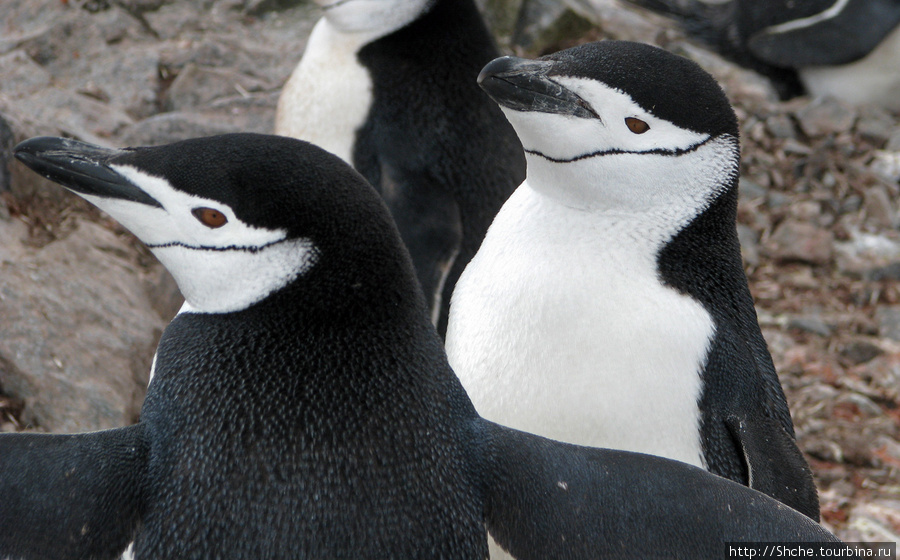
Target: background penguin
(608,304)
(348,437)
(390,87)
(849,49)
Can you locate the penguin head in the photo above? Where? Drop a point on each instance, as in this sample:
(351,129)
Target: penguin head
(617,125)
(373,18)
(234,218)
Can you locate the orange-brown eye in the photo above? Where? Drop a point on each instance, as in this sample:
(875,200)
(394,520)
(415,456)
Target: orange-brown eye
(210,217)
(636,125)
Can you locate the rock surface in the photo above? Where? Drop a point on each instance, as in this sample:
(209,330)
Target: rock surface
(78,329)
(81,304)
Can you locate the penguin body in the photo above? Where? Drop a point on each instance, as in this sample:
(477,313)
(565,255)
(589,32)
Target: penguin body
(394,94)
(527,291)
(849,49)
(874,79)
(608,305)
(349,437)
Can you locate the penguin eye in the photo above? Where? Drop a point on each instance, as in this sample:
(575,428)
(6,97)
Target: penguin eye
(210,217)
(636,125)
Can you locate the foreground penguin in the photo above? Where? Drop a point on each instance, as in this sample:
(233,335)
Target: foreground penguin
(390,87)
(302,406)
(849,49)
(608,304)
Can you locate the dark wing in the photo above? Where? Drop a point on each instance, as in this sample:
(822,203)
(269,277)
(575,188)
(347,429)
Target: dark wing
(829,37)
(774,463)
(746,426)
(70,496)
(546,499)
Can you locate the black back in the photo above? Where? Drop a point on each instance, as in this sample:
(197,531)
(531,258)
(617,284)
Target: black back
(439,151)
(742,31)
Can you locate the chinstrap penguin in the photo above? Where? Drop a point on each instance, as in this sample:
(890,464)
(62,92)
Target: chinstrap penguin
(849,49)
(303,407)
(390,87)
(608,304)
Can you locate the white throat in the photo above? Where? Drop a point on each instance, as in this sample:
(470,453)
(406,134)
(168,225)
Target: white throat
(328,96)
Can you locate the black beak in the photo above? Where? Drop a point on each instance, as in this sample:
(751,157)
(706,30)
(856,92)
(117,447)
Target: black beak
(80,167)
(525,85)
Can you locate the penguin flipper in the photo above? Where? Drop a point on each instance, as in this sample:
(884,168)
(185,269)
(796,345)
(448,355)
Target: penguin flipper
(774,462)
(430,224)
(70,496)
(546,499)
(827,40)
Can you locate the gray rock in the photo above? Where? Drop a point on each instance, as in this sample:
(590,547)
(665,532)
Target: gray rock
(25,183)
(873,257)
(825,116)
(76,115)
(501,17)
(893,143)
(886,164)
(129,80)
(198,86)
(888,317)
(878,207)
(78,333)
(22,76)
(543,24)
(254,113)
(749,189)
(172,127)
(163,292)
(794,241)
(260,7)
(860,351)
(875,124)
(249,113)
(810,323)
(888,272)
(874,522)
(775,199)
(142,6)
(781,126)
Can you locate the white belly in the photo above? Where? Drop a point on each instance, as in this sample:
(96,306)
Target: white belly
(327,98)
(874,79)
(560,327)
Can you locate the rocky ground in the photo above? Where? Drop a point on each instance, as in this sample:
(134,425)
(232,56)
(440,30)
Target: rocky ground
(82,304)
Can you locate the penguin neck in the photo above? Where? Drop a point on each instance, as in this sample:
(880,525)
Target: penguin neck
(346,347)
(339,44)
(456,22)
(367,22)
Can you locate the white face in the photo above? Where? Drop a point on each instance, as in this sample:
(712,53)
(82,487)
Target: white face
(602,164)
(371,17)
(218,269)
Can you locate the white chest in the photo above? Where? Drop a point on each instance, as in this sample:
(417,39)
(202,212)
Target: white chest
(327,98)
(561,327)
(874,79)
